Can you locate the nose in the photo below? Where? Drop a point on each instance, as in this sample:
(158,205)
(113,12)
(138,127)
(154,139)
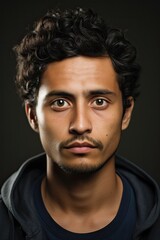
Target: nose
(80,122)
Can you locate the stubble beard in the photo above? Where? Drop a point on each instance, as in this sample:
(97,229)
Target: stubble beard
(82,169)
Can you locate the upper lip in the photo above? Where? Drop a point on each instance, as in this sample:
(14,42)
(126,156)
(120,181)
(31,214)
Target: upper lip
(80,144)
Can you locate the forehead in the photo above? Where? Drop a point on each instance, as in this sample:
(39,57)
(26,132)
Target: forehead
(80,73)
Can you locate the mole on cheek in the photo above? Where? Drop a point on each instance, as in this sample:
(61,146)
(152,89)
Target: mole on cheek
(106,135)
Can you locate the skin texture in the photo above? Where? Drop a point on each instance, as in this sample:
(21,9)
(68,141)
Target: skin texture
(79,117)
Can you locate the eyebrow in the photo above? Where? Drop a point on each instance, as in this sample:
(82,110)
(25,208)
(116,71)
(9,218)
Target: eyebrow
(58,93)
(88,93)
(101,92)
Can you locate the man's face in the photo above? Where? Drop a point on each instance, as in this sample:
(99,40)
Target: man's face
(79,113)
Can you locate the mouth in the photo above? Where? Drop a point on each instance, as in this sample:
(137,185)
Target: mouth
(80,147)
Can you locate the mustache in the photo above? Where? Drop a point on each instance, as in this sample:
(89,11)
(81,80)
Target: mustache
(97,143)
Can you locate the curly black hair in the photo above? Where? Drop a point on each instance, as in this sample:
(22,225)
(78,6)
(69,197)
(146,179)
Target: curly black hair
(74,32)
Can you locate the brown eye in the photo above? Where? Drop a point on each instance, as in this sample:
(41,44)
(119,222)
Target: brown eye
(99,103)
(60,105)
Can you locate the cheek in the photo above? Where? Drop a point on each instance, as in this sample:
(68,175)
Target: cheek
(48,122)
(111,123)
(50,138)
(51,130)
(110,130)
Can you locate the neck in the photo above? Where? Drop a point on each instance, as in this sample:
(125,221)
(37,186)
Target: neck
(81,194)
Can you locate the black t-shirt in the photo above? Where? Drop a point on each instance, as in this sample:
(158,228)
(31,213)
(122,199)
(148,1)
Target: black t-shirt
(121,228)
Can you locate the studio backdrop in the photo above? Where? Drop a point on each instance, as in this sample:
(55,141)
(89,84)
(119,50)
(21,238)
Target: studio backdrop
(141,19)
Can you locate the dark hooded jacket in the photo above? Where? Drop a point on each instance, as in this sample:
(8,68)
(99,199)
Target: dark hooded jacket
(18,218)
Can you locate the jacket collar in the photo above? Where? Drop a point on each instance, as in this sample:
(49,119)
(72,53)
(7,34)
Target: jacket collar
(23,209)
(147,193)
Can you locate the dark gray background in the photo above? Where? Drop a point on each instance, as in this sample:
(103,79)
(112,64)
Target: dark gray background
(140,143)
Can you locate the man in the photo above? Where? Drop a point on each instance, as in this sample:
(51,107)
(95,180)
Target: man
(78,80)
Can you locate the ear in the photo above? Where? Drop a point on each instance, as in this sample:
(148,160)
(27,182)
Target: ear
(31,115)
(128,113)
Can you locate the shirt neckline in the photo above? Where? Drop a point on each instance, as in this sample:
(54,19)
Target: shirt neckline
(63,234)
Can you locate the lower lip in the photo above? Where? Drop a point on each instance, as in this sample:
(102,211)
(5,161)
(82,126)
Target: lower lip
(80,150)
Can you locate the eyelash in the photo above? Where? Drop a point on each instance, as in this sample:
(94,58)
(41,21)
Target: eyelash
(101,106)
(56,107)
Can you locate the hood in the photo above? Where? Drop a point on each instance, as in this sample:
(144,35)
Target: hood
(16,194)
(147,194)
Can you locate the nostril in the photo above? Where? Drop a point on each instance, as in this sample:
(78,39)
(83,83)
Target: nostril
(75,131)
(79,131)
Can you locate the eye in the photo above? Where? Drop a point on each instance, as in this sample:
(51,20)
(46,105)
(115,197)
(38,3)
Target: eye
(60,105)
(100,103)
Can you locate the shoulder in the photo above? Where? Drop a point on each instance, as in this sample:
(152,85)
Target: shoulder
(8,226)
(4,214)
(5,221)
(154,231)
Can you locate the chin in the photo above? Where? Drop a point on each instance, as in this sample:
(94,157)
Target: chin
(82,169)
